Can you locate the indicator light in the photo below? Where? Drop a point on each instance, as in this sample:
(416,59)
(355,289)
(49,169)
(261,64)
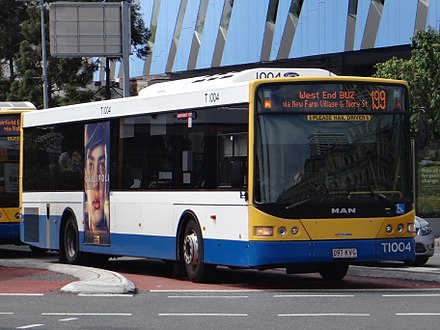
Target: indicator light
(264,231)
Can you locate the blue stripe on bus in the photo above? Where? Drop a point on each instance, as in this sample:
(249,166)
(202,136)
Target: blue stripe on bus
(160,247)
(9,230)
(254,254)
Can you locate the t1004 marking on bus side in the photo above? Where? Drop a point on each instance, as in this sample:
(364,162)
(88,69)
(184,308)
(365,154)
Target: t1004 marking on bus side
(106,109)
(396,247)
(212,97)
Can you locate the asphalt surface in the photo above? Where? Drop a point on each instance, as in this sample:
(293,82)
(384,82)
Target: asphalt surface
(35,275)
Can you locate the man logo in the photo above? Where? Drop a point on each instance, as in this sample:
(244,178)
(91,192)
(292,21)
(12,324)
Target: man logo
(343,210)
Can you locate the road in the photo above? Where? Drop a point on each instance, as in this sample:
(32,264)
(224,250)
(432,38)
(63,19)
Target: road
(237,299)
(227,309)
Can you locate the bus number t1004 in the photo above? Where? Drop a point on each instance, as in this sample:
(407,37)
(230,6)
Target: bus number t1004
(378,100)
(105,110)
(396,247)
(212,97)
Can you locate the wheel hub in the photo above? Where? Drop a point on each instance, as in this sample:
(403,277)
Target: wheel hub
(191,249)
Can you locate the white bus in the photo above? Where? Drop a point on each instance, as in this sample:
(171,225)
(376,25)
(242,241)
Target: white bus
(293,168)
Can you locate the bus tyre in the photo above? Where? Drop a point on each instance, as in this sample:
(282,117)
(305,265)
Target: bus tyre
(193,254)
(69,252)
(419,261)
(333,272)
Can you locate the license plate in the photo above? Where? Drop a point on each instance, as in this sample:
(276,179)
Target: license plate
(345,253)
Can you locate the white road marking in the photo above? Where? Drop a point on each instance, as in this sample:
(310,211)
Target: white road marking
(198,291)
(417,314)
(313,296)
(208,297)
(204,314)
(412,295)
(325,314)
(86,314)
(68,319)
(31,326)
(6,313)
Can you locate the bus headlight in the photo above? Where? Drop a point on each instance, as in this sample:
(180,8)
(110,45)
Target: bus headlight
(294,230)
(282,231)
(264,231)
(411,227)
(389,228)
(400,228)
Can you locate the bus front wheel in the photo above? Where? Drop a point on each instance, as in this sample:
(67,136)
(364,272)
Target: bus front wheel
(193,253)
(333,272)
(69,252)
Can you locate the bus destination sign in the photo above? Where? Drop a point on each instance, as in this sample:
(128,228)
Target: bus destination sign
(10,126)
(331,98)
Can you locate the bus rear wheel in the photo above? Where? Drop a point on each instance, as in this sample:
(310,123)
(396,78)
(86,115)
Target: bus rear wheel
(69,252)
(193,254)
(333,272)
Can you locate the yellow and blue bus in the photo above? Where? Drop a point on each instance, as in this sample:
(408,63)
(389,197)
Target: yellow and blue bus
(10,113)
(264,168)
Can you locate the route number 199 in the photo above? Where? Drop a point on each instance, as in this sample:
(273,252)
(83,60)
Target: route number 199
(378,100)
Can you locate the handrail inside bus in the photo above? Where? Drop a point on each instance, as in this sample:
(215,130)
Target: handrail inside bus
(382,192)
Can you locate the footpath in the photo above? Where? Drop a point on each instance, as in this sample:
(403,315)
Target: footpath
(31,274)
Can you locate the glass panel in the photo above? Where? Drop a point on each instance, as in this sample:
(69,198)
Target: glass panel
(53,158)
(298,159)
(180,150)
(9,152)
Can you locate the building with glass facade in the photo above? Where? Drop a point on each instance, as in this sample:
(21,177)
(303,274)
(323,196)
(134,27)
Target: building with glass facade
(346,36)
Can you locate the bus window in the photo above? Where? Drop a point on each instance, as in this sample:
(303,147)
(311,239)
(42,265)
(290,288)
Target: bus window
(232,160)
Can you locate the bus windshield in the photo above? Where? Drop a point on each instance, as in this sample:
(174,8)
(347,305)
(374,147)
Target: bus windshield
(318,156)
(9,152)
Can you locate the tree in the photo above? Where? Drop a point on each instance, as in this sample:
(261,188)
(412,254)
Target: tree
(69,79)
(422,71)
(139,33)
(11,14)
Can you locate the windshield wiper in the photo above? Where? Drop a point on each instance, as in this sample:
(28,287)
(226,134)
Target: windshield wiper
(381,196)
(298,203)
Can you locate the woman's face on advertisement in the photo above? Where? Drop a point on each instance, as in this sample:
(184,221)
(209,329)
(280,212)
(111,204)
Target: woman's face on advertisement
(95,183)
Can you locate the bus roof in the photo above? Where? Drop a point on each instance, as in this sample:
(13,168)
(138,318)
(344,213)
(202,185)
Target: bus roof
(191,93)
(16,105)
(229,78)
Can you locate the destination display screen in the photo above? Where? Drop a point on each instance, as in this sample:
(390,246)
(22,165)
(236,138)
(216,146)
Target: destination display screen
(10,125)
(335,98)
